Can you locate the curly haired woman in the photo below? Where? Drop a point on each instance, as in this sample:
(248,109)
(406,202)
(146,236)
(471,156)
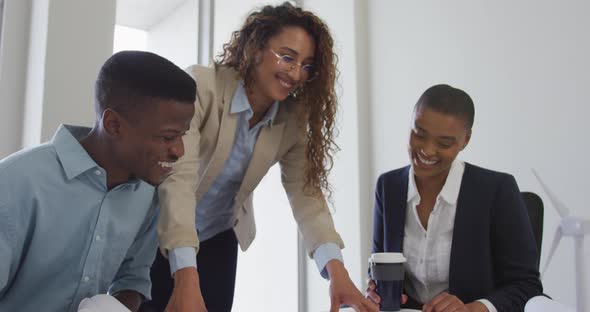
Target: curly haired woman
(269,98)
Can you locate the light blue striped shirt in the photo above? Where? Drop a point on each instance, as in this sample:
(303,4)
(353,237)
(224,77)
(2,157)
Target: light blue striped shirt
(63,235)
(214,213)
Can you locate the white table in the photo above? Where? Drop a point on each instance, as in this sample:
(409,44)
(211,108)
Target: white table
(402,310)
(544,304)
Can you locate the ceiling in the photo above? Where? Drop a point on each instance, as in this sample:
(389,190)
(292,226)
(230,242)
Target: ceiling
(143,14)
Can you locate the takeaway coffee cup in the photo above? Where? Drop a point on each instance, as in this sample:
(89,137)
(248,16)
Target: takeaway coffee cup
(387,270)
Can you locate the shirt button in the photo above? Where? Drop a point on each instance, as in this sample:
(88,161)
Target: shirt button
(97,172)
(86,278)
(98,237)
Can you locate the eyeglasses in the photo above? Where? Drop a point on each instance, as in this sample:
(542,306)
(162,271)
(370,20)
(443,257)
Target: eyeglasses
(288,63)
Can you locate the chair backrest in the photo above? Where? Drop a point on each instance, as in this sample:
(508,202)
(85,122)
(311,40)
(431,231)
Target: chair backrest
(534,205)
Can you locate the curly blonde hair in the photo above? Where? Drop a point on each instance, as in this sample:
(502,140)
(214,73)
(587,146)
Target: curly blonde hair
(317,98)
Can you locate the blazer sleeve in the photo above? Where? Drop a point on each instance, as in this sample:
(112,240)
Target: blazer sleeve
(176,226)
(513,250)
(311,212)
(378,230)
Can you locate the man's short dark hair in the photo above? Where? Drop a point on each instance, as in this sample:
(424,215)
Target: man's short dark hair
(445,99)
(130,79)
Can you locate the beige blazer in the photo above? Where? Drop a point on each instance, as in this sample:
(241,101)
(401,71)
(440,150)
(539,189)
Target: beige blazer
(207,146)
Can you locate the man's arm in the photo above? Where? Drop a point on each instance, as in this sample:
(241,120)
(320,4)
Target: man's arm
(9,241)
(129,298)
(134,272)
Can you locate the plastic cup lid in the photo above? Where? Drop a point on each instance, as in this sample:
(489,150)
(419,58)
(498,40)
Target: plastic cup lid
(387,257)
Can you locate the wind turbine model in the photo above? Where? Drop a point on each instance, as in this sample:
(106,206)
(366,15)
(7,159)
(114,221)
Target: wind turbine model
(575,227)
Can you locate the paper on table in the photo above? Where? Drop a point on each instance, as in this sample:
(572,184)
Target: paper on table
(101,303)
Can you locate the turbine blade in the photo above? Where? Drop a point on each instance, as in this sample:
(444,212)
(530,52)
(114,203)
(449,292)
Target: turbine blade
(554,244)
(559,205)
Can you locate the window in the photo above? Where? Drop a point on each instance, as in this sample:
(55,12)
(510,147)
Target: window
(128,38)
(165,27)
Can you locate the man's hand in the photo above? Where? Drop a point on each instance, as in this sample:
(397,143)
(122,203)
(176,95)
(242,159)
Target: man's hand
(129,298)
(444,302)
(343,291)
(373,296)
(186,295)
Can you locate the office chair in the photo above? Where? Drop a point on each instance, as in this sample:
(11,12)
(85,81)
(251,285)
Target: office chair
(534,205)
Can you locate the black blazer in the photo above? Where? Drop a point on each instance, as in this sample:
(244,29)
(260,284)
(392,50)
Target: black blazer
(493,253)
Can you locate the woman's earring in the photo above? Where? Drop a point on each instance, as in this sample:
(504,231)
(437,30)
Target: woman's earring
(296,92)
(258,58)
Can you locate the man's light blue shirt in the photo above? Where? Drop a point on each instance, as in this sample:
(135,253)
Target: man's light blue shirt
(63,235)
(214,212)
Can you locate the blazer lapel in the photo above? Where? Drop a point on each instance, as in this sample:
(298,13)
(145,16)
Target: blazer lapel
(399,214)
(263,156)
(226,86)
(461,233)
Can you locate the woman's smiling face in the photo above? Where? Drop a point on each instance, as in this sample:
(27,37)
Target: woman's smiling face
(435,141)
(274,79)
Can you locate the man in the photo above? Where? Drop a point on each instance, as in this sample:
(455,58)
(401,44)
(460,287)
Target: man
(78,213)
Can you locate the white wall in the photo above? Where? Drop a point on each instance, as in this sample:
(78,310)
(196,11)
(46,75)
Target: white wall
(175,37)
(13,64)
(35,84)
(1,15)
(67,50)
(129,38)
(77,46)
(230,16)
(526,66)
(267,272)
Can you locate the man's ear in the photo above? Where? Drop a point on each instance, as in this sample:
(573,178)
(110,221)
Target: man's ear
(111,122)
(467,138)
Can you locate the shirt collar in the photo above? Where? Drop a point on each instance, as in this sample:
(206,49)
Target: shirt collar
(412,189)
(73,157)
(450,191)
(240,104)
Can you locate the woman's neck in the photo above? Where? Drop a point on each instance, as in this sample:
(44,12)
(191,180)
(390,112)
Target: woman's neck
(259,103)
(430,187)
